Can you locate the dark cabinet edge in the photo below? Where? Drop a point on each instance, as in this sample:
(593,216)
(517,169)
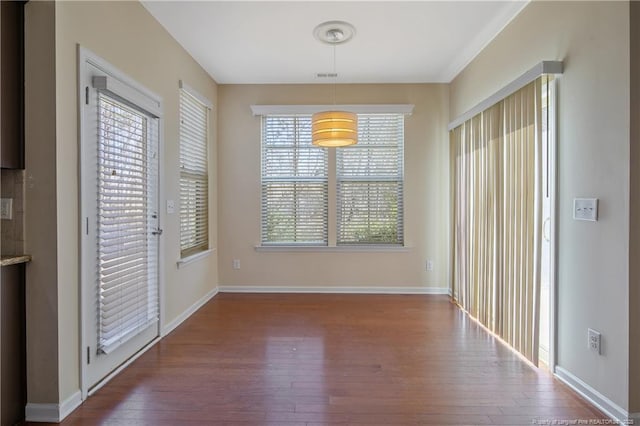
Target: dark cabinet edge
(13,151)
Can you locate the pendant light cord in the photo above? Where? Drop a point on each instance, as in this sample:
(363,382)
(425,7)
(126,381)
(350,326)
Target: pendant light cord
(335,78)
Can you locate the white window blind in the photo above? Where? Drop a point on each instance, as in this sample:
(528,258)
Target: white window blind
(127,248)
(370,183)
(194,180)
(294,183)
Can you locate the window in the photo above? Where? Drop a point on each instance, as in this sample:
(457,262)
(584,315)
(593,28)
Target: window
(127,190)
(294,183)
(194,179)
(368,183)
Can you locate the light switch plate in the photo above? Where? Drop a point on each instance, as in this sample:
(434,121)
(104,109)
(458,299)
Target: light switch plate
(585,209)
(171,207)
(6,208)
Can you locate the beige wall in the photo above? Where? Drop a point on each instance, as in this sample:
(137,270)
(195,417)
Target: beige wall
(40,204)
(593,161)
(127,36)
(634,234)
(426,192)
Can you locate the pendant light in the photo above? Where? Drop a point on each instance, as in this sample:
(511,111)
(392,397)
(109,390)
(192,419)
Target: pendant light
(334,128)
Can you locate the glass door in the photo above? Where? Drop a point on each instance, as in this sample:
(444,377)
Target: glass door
(547,267)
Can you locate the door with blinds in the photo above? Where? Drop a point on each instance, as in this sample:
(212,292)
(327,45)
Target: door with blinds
(120,229)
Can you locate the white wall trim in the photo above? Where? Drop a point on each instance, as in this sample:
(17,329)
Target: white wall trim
(336,289)
(141,94)
(604,404)
(187,313)
(373,248)
(194,257)
(544,67)
(42,413)
(483,38)
(53,413)
(70,404)
(406,109)
(193,92)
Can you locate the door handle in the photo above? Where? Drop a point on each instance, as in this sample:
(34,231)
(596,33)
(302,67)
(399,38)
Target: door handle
(157,231)
(546,222)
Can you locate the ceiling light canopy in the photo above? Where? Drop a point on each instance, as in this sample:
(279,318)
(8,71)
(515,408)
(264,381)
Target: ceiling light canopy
(334,128)
(334,32)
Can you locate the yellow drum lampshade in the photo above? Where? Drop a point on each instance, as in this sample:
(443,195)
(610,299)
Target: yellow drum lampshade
(334,128)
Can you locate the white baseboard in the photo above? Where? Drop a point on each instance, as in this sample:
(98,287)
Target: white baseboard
(49,413)
(70,404)
(52,413)
(336,289)
(604,404)
(190,311)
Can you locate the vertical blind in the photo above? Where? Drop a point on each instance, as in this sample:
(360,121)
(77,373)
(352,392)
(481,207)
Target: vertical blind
(127,250)
(294,183)
(497,185)
(370,183)
(194,180)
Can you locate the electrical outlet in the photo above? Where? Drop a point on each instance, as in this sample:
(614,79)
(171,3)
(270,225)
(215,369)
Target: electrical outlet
(429,265)
(6,208)
(236,263)
(594,340)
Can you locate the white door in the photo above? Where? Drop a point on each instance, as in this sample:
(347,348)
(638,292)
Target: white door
(120,157)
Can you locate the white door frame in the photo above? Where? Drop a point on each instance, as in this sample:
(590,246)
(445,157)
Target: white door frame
(86,57)
(553,231)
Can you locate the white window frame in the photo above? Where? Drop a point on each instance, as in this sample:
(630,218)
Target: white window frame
(405,109)
(195,251)
(388,174)
(273,178)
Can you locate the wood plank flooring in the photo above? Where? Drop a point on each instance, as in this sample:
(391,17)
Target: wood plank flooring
(318,359)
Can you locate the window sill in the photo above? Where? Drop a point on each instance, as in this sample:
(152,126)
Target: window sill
(194,257)
(355,248)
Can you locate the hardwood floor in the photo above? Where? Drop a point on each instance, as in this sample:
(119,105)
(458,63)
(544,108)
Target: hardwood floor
(312,359)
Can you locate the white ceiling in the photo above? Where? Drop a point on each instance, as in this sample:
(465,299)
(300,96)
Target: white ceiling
(241,42)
